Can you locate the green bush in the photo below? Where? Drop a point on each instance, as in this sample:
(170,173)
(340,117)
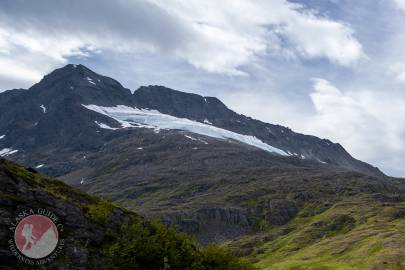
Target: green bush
(218,258)
(99,212)
(152,246)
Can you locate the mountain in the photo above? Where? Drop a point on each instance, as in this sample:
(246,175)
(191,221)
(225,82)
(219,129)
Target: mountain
(96,233)
(282,199)
(51,114)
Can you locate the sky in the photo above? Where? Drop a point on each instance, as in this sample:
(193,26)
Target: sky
(330,68)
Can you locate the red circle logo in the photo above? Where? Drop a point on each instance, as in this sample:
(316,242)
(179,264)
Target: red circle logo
(36,236)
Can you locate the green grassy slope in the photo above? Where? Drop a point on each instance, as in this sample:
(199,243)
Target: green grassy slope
(355,233)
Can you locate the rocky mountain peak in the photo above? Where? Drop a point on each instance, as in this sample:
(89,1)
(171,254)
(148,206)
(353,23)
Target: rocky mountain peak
(65,73)
(80,84)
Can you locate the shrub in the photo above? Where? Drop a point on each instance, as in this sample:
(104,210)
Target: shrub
(153,246)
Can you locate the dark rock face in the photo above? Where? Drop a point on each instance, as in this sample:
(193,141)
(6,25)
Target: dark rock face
(213,225)
(279,212)
(180,104)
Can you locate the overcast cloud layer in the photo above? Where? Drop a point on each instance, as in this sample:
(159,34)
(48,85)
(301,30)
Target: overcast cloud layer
(331,68)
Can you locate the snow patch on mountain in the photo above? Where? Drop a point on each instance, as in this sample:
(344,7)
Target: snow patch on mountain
(191,138)
(90,80)
(195,139)
(134,117)
(104,126)
(204,142)
(7,151)
(206,121)
(43,108)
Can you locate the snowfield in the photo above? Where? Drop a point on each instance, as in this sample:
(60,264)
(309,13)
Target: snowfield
(134,117)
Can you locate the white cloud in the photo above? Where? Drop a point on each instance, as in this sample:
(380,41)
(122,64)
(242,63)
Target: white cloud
(315,37)
(400,3)
(35,38)
(398,70)
(239,29)
(26,57)
(368,123)
(218,37)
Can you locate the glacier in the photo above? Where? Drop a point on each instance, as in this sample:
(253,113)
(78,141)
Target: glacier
(133,117)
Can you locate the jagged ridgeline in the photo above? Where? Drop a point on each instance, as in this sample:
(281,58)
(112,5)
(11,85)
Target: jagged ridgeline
(96,233)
